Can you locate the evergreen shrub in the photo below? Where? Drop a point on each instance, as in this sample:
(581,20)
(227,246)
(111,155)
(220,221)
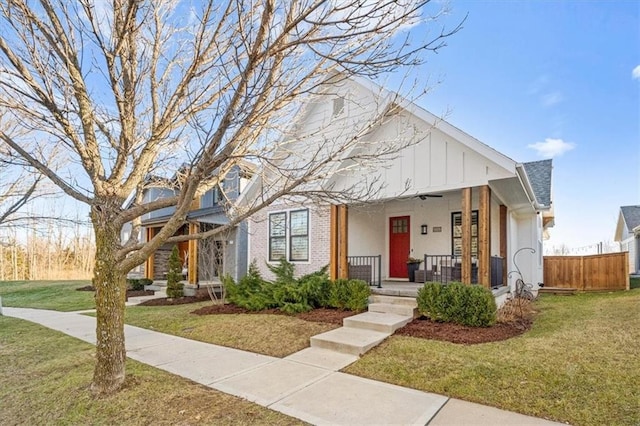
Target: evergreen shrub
(469,305)
(174,275)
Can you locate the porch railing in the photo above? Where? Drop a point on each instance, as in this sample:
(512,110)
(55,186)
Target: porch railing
(366,268)
(448,268)
(444,269)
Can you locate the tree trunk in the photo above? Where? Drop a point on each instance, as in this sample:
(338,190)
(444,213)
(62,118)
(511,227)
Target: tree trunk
(110,284)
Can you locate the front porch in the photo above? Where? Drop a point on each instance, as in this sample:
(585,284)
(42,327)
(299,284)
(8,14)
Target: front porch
(457,235)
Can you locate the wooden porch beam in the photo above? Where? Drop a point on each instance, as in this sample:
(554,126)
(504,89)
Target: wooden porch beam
(484,237)
(466,236)
(343,242)
(503,241)
(192,263)
(333,243)
(150,264)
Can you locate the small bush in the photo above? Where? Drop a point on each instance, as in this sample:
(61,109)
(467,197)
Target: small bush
(317,289)
(174,275)
(292,295)
(250,292)
(350,295)
(472,306)
(145,281)
(135,284)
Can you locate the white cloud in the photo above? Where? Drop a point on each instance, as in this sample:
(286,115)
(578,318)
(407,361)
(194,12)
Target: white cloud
(551,99)
(635,74)
(552,147)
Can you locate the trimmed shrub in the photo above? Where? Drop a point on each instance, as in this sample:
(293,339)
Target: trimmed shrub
(145,281)
(468,305)
(134,284)
(350,295)
(430,301)
(174,275)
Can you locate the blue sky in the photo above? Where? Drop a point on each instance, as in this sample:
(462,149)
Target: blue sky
(557,75)
(554,74)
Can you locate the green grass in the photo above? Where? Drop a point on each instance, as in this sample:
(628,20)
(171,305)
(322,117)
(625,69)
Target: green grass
(274,335)
(579,363)
(54,295)
(45,377)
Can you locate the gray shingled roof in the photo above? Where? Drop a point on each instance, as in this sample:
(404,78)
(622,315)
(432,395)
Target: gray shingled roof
(539,173)
(631,216)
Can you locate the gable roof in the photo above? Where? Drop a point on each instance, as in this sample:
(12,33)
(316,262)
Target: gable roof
(440,123)
(539,174)
(631,215)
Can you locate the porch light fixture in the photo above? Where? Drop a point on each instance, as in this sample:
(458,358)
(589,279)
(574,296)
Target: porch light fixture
(423,229)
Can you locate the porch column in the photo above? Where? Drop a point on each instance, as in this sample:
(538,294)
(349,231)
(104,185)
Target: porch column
(338,266)
(484,237)
(150,265)
(192,264)
(503,241)
(466,236)
(343,242)
(333,243)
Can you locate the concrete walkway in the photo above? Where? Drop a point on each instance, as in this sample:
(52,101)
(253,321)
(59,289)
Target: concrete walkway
(306,385)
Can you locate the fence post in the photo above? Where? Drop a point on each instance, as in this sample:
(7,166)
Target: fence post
(379,271)
(626,270)
(582,275)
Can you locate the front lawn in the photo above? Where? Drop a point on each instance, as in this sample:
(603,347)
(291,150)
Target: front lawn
(268,334)
(54,295)
(44,379)
(578,364)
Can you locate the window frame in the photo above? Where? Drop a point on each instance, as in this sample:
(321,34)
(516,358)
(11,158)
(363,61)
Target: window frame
(474,235)
(278,237)
(291,236)
(288,236)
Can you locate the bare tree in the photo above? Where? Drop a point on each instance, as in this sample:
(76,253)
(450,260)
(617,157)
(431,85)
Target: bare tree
(17,188)
(131,87)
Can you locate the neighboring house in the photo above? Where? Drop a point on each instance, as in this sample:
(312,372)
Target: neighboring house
(628,235)
(447,198)
(203,260)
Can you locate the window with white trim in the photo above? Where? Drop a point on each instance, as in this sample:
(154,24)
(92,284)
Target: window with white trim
(289,236)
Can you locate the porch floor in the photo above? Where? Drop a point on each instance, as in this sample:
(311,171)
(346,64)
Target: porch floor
(398,288)
(409,289)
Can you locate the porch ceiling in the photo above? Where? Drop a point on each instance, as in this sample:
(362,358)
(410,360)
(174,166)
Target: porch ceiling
(512,194)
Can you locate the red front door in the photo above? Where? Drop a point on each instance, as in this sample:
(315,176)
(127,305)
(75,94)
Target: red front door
(399,246)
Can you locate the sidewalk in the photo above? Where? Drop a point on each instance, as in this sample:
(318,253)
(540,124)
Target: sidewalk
(306,385)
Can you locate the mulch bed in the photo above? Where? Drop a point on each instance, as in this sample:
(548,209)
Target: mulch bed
(138,293)
(164,301)
(426,329)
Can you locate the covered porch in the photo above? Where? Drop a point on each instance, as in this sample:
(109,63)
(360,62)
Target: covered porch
(456,235)
(204,261)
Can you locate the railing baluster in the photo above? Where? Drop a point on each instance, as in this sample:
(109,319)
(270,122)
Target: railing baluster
(366,268)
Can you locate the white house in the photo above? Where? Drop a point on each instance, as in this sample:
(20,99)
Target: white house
(445,198)
(628,235)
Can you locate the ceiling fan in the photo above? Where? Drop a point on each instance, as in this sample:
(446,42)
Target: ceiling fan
(425,196)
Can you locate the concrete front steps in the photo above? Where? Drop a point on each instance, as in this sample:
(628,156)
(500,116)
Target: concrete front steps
(364,331)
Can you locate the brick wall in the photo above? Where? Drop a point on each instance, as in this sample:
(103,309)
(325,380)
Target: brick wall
(319,234)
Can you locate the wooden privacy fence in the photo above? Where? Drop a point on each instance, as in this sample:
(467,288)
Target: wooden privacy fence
(599,272)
